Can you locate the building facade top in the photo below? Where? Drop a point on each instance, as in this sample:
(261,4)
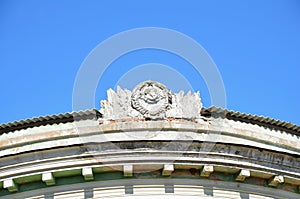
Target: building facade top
(150,138)
(150,100)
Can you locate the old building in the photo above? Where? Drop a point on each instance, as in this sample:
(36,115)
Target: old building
(150,143)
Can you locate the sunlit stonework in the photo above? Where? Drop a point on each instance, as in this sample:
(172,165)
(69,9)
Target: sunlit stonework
(150,143)
(151,99)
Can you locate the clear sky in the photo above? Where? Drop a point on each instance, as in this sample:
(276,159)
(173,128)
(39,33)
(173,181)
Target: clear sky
(255,45)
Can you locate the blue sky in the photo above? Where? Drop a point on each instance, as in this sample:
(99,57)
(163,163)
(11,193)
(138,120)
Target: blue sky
(255,45)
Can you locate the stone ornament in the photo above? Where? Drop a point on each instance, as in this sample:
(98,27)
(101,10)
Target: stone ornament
(150,100)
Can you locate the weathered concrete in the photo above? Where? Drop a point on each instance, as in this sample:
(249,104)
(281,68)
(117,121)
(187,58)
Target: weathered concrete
(150,139)
(150,99)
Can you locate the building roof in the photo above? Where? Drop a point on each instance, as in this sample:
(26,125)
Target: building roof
(95,114)
(252,119)
(48,120)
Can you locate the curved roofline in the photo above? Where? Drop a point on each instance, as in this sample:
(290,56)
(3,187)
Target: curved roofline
(252,119)
(95,114)
(48,120)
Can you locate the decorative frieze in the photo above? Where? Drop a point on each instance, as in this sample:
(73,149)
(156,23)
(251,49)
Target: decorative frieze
(150,99)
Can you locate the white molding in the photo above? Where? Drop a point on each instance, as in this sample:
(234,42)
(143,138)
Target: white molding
(242,175)
(10,185)
(274,181)
(87,173)
(168,169)
(48,178)
(128,170)
(206,171)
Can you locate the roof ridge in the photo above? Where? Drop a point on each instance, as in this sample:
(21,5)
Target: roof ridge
(212,111)
(49,119)
(252,118)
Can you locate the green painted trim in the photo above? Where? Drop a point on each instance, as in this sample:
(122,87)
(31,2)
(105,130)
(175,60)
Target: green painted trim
(70,177)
